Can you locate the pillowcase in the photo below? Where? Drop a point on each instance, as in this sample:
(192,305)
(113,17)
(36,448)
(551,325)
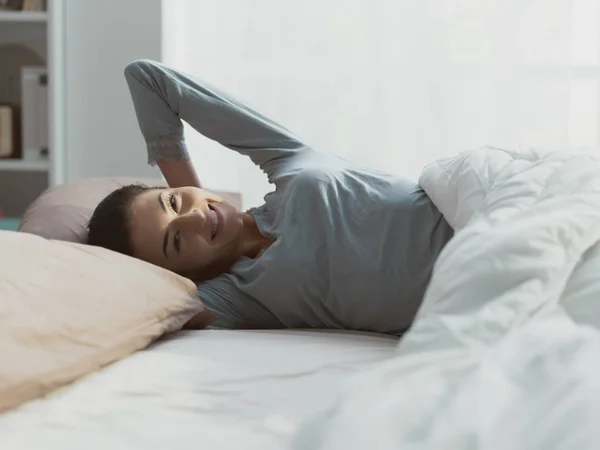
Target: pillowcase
(68,309)
(63,212)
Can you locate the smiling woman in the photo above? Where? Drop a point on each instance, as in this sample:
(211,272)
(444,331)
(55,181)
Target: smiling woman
(191,231)
(187,230)
(334,245)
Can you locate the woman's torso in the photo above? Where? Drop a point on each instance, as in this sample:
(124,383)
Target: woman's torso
(353,249)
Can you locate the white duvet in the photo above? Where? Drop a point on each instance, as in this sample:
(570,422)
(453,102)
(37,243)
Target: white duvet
(505,351)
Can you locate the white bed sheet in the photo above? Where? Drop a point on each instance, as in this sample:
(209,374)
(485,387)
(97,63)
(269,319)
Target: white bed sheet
(200,389)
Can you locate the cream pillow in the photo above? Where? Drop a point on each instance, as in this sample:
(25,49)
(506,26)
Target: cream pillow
(68,309)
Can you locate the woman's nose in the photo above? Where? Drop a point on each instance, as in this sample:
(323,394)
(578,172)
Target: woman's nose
(195,220)
(195,215)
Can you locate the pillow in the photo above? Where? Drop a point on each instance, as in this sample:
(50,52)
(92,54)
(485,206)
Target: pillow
(63,212)
(68,309)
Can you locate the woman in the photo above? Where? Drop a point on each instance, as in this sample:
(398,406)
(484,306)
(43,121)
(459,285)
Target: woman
(333,246)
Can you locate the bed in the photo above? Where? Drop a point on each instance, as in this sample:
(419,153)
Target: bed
(503,352)
(198,389)
(93,356)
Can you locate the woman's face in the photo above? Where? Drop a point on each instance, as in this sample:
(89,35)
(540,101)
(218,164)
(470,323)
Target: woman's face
(187,230)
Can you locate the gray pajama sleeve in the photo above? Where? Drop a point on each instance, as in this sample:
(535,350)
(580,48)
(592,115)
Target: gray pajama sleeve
(163,97)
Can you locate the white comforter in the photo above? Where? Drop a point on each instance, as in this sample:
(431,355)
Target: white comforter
(505,351)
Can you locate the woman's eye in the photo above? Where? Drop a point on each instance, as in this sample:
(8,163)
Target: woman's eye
(177,242)
(173,202)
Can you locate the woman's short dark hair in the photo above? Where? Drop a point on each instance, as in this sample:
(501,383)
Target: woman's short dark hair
(110,225)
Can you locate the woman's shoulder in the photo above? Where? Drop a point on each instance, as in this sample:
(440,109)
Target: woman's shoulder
(232,305)
(301,176)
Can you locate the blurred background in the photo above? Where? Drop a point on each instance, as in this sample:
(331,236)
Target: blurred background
(391,84)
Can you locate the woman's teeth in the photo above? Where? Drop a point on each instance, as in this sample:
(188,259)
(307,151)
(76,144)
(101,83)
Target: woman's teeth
(215,222)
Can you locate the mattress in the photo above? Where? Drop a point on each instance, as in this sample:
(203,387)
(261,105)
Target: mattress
(201,389)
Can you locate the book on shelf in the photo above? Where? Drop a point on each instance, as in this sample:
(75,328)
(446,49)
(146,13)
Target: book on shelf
(23,5)
(11,5)
(34,5)
(10,136)
(34,113)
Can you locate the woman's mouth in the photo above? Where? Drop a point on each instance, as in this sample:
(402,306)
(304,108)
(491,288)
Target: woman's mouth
(214,217)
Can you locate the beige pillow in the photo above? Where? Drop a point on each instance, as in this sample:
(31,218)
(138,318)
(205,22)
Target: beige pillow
(68,309)
(63,212)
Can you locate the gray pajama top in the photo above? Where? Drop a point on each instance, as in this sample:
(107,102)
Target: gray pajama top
(354,248)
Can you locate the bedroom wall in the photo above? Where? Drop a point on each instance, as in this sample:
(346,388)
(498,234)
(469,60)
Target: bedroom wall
(102,137)
(397,84)
(189,31)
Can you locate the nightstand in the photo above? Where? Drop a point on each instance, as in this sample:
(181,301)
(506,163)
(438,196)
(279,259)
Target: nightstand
(9,223)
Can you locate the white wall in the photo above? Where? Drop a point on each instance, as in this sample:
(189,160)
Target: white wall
(188,31)
(396,84)
(101,37)
(387,84)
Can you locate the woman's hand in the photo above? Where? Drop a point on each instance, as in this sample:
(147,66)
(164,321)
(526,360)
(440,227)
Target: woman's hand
(179,173)
(200,321)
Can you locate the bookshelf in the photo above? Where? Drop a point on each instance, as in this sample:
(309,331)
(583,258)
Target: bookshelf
(7,17)
(92,129)
(38,33)
(16,165)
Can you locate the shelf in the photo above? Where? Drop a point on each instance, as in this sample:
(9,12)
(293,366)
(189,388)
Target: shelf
(23,16)
(18,165)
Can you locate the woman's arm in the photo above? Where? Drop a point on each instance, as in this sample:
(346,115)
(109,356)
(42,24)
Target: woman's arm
(179,173)
(163,97)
